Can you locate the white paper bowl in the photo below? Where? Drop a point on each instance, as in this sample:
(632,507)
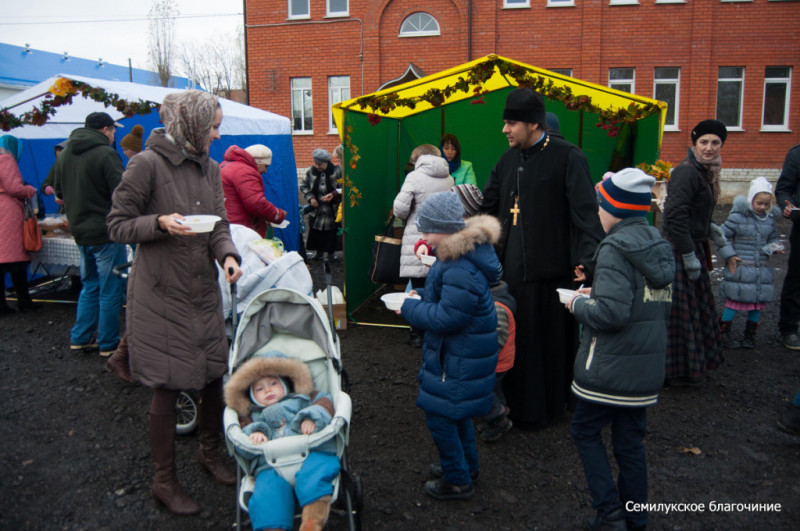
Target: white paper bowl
(200,222)
(566,295)
(394,301)
(427,259)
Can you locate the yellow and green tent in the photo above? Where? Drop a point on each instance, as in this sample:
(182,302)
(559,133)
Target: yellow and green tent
(378,131)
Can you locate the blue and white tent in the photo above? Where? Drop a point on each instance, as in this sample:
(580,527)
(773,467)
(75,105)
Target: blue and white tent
(242,125)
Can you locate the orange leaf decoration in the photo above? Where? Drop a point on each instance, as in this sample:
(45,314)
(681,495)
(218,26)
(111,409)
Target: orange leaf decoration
(62,87)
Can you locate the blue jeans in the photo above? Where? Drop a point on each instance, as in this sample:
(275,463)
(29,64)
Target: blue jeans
(627,433)
(458,450)
(272,504)
(101,295)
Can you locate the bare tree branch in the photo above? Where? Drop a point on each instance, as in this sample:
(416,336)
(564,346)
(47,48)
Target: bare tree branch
(161,31)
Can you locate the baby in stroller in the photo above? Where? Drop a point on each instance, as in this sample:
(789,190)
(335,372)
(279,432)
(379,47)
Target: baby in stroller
(274,397)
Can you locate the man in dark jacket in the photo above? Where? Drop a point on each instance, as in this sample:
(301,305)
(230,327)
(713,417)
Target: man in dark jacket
(542,193)
(87,172)
(787,192)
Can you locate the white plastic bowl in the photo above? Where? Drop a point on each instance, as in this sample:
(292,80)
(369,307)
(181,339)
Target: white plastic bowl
(427,259)
(566,295)
(394,301)
(200,222)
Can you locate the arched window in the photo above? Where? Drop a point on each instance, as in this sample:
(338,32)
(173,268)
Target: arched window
(419,24)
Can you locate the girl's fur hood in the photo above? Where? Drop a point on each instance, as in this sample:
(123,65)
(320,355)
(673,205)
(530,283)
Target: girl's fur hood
(237,390)
(740,206)
(479,230)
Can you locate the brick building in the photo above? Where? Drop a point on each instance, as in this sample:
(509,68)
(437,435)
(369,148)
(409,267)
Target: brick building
(729,59)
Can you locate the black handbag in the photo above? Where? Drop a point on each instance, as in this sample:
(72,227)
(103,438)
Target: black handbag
(384,268)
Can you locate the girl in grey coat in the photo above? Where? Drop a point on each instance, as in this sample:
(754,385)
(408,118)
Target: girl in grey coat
(748,282)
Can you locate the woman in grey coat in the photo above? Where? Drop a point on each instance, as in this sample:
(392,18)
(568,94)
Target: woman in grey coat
(175,326)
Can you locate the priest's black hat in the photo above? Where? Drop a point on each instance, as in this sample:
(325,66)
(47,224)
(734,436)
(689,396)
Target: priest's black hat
(524,105)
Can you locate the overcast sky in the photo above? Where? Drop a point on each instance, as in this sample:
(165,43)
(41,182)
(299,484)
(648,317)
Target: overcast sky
(114,30)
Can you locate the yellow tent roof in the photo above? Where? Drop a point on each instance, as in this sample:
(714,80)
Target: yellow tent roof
(491,73)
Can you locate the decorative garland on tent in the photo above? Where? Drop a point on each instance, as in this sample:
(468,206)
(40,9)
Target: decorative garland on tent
(353,193)
(61,93)
(610,119)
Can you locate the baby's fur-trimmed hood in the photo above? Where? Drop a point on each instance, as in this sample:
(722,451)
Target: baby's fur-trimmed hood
(479,230)
(237,390)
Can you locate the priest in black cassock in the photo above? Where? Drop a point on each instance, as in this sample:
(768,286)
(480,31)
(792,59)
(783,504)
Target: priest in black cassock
(543,195)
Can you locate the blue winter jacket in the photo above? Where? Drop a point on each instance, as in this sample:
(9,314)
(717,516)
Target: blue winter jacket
(457,312)
(746,234)
(621,358)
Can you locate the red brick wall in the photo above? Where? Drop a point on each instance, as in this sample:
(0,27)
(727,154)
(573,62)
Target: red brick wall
(698,36)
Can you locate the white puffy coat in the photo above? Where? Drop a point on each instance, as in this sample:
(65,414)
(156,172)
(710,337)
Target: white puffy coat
(431,175)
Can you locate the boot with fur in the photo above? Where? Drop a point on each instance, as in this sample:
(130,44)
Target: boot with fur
(315,514)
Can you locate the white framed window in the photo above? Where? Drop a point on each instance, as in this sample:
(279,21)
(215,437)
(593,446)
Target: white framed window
(302,109)
(777,85)
(667,88)
(514,4)
(622,79)
(337,8)
(623,2)
(419,24)
(299,9)
(560,3)
(338,91)
(670,1)
(730,91)
(563,71)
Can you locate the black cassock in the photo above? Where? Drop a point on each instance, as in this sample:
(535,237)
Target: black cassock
(548,188)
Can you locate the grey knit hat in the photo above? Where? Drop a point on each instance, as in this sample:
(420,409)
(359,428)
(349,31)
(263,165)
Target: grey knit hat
(321,155)
(441,213)
(471,198)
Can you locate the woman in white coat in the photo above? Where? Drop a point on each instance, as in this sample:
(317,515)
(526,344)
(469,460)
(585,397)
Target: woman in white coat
(431,175)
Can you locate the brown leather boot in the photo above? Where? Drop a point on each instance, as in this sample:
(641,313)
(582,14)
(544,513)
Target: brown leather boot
(166,490)
(118,362)
(209,416)
(315,514)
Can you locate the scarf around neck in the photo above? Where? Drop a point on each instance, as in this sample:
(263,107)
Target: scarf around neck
(712,170)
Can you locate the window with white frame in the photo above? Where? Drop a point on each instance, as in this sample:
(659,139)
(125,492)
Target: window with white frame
(623,2)
(419,24)
(560,3)
(338,91)
(622,79)
(730,88)
(666,88)
(777,83)
(302,112)
(516,3)
(563,71)
(299,9)
(337,8)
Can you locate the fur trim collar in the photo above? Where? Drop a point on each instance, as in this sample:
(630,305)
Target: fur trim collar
(237,390)
(479,230)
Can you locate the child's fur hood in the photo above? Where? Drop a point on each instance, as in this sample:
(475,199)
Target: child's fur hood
(740,206)
(237,390)
(479,230)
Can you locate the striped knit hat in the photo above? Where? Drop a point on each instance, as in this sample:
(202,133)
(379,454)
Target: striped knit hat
(626,194)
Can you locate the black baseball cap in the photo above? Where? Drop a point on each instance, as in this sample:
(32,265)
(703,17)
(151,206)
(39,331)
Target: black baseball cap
(99,120)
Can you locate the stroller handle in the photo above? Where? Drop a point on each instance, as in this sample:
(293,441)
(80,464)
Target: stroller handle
(234,304)
(121,269)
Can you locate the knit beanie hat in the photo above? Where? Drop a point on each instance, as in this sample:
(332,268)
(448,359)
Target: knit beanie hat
(321,155)
(712,127)
(471,198)
(626,194)
(441,213)
(261,153)
(524,105)
(757,186)
(284,383)
(133,140)
(553,123)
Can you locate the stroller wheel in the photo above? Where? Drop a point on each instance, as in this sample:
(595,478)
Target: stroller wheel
(186,408)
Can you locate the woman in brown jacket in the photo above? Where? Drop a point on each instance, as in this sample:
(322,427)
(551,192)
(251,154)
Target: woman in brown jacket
(175,326)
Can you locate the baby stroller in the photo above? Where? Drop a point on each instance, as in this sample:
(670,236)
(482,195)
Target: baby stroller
(295,324)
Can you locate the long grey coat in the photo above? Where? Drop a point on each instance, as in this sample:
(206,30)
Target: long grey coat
(175,326)
(431,175)
(746,234)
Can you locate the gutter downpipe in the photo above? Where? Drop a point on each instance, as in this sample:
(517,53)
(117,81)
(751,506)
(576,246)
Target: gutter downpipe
(303,23)
(469,31)
(246,54)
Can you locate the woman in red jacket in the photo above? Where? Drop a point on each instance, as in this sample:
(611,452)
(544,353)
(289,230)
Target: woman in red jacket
(243,187)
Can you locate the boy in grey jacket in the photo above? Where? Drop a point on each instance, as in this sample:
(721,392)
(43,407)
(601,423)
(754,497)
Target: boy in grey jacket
(619,368)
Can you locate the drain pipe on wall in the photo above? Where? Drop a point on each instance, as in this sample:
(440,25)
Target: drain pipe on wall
(307,22)
(469,31)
